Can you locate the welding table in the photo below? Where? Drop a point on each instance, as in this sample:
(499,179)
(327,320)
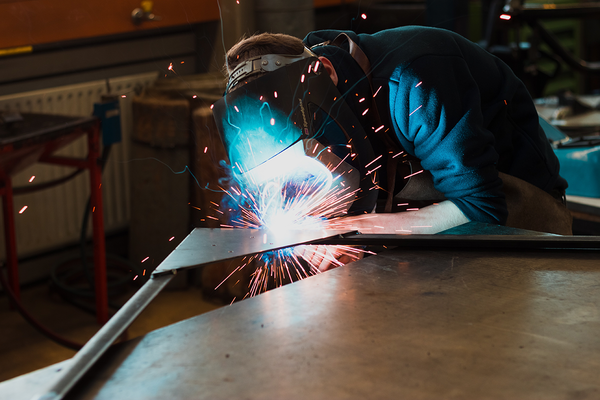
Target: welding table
(417,323)
(35,139)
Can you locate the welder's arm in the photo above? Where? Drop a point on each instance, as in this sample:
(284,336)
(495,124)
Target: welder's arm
(427,220)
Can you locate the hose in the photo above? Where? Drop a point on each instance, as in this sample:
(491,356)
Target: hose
(34,322)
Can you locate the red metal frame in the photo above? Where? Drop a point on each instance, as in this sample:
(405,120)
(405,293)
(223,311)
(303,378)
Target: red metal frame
(92,163)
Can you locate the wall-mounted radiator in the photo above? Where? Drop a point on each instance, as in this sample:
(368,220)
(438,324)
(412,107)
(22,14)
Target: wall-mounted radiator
(54,216)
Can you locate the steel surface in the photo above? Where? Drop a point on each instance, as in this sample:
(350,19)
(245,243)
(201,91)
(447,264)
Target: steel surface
(204,246)
(404,324)
(201,246)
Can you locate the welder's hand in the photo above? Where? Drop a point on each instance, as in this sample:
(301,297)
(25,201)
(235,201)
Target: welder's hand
(427,220)
(325,258)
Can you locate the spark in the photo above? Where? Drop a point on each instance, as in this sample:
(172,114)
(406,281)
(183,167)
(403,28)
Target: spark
(123,96)
(275,94)
(309,68)
(144,273)
(413,174)
(505,17)
(317,66)
(32,178)
(205,149)
(418,84)
(366,111)
(412,209)
(145,259)
(291,191)
(272,121)
(363,16)
(396,155)
(415,110)
(236,108)
(377,91)
(171,67)
(361,100)
(378,129)
(377,158)
(402,204)
(212,106)
(194,96)
(302,78)
(23,210)
(374,169)
(135,277)
(172,237)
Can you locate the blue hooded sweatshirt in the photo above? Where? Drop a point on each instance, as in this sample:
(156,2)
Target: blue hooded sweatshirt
(461,111)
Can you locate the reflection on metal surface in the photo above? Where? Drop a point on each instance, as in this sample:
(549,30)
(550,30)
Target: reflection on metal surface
(204,246)
(404,324)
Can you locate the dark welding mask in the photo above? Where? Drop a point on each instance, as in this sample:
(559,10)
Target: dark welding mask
(292,110)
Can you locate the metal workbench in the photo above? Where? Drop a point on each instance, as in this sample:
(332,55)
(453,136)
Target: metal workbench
(418,324)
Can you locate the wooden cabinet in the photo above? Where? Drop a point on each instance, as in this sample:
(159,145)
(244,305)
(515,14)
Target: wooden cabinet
(33,22)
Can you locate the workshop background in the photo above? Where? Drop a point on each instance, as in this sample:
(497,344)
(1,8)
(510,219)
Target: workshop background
(162,63)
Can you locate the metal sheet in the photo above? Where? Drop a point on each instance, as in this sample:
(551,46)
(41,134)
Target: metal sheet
(454,242)
(201,246)
(204,246)
(405,324)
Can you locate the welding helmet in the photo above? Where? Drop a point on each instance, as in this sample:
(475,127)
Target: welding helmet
(293,107)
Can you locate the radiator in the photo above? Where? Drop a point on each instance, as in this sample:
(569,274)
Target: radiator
(54,216)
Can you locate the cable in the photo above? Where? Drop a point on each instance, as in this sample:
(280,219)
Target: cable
(58,278)
(62,273)
(34,322)
(46,185)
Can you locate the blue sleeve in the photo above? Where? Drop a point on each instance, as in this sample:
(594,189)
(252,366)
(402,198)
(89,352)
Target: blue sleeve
(436,110)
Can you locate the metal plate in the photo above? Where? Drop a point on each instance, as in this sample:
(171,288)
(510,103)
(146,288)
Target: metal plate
(455,242)
(204,246)
(406,324)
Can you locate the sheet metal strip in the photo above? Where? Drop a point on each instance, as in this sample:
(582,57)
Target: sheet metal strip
(204,246)
(106,336)
(478,242)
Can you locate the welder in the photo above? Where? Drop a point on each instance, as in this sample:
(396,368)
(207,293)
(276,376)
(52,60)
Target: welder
(426,104)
